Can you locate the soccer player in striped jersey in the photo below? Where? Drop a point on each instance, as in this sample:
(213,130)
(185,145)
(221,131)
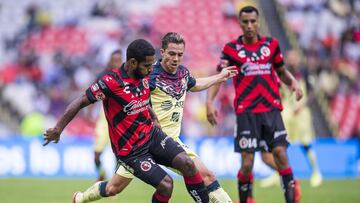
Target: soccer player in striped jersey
(169,83)
(257,102)
(137,143)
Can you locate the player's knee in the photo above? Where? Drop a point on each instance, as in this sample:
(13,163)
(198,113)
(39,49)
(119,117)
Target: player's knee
(246,166)
(280,157)
(188,168)
(184,164)
(166,186)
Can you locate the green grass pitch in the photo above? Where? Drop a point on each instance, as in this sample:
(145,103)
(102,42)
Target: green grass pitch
(61,190)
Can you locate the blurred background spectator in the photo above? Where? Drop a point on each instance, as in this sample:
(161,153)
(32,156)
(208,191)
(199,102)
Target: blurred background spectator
(50,52)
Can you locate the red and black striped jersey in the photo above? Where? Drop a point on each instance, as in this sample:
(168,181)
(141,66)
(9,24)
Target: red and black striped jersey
(125,102)
(256,85)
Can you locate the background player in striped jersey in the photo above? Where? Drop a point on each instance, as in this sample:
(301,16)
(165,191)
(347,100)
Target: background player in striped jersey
(138,145)
(101,128)
(257,101)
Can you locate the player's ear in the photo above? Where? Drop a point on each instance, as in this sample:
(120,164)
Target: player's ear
(133,63)
(162,52)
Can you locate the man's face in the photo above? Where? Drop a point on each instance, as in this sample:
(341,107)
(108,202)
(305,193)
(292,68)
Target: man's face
(172,56)
(115,61)
(249,23)
(144,68)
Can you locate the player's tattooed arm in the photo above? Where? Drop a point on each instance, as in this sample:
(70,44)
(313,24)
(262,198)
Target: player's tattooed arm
(287,78)
(154,118)
(53,134)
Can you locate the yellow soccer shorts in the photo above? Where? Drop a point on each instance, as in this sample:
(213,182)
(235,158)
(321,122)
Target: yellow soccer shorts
(299,127)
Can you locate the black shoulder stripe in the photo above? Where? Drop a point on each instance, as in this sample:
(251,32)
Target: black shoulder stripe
(269,39)
(116,77)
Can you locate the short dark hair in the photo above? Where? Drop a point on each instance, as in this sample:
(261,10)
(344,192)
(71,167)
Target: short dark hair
(117,51)
(249,9)
(171,37)
(139,49)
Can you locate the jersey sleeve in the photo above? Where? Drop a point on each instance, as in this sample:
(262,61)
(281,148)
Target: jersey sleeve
(278,56)
(191,82)
(100,89)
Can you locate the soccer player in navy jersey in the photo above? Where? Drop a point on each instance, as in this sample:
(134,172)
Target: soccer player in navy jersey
(138,145)
(257,104)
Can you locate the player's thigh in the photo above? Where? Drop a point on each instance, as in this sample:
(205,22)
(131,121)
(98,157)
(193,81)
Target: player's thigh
(247,133)
(188,151)
(164,148)
(274,133)
(146,169)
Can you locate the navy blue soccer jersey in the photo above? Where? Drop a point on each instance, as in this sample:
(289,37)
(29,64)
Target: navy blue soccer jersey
(125,102)
(257,84)
(168,92)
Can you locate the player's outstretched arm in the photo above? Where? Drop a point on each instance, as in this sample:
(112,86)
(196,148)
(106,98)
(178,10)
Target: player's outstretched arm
(287,78)
(53,134)
(211,111)
(206,82)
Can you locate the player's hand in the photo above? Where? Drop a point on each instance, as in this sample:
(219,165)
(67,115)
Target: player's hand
(211,114)
(224,63)
(228,72)
(298,91)
(51,134)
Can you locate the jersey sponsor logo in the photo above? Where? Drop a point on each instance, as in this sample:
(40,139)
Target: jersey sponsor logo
(145,83)
(247,143)
(166,105)
(175,117)
(249,69)
(135,106)
(145,165)
(95,87)
(279,133)
(100,96)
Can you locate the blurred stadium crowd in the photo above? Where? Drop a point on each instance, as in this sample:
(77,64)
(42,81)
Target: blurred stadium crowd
(51,51)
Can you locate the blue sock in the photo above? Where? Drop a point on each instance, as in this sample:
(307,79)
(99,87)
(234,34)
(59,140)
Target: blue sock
(102,188)
(213,186)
